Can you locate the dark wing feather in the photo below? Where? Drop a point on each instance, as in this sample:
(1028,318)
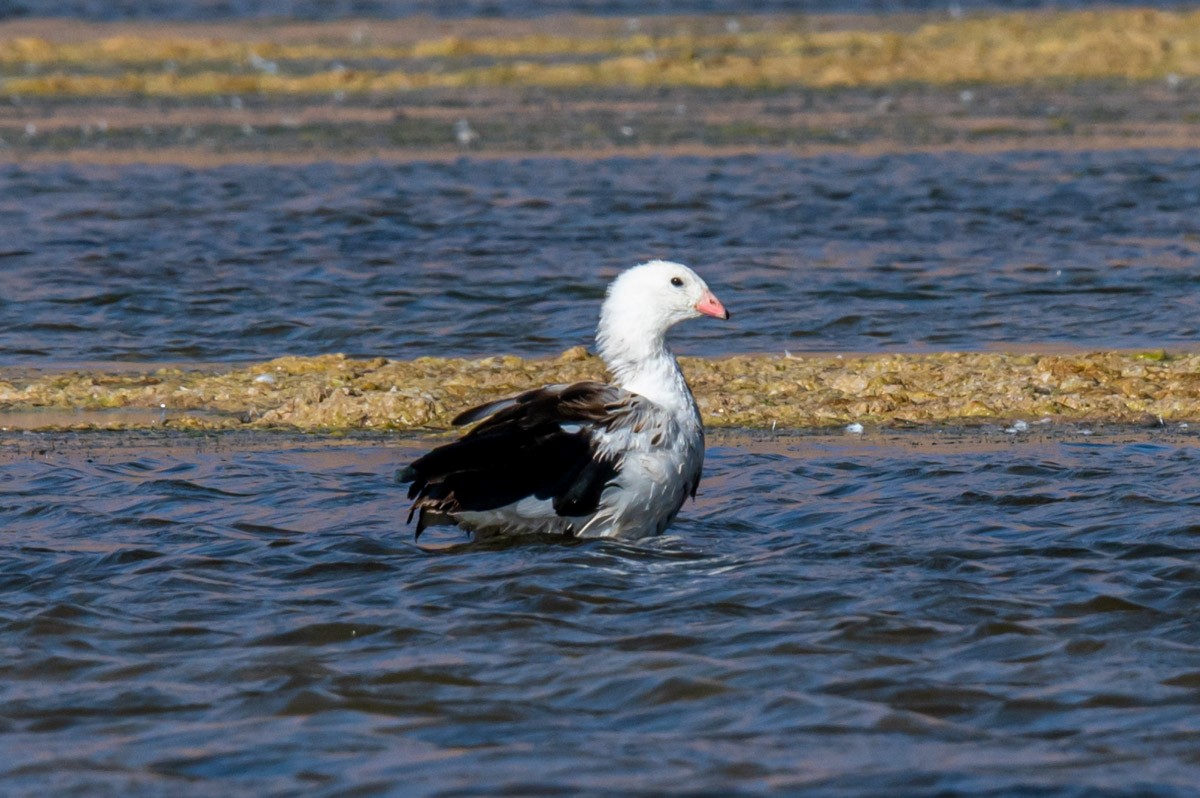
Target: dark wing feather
(483,411)
(521,449)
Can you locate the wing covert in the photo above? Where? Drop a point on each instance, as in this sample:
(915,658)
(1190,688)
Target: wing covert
(542,443)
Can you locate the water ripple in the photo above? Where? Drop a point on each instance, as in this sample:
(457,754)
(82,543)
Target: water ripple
(842,617)
(450,259)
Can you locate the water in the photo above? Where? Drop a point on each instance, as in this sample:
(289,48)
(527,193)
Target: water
(474,257)
(963,614)
(968,613)
(107,10)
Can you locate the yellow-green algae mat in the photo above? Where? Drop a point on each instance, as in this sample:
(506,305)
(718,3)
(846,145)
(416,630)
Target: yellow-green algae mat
(1128,44)
(332,392)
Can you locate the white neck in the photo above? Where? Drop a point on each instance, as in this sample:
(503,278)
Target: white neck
(645,365)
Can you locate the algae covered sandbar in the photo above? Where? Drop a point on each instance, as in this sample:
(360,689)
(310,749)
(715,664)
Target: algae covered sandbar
(771,51)
(394,90)
(333,392)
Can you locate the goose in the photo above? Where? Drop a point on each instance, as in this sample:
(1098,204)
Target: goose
(589,459)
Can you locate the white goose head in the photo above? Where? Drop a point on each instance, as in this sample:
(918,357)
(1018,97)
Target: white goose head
(643,303)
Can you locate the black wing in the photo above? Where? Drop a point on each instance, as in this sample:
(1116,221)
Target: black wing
(540,443)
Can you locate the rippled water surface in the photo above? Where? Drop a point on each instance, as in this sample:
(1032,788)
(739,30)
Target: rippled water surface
(901,252)
(949,614)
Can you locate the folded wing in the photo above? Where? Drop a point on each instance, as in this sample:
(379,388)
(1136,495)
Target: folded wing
(548,444)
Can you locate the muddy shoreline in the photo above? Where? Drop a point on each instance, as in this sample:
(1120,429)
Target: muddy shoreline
(581,87)
(335,393)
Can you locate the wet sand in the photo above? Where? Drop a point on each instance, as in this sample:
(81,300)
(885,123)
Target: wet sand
(333,393)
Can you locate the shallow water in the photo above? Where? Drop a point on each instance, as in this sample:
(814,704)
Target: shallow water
(968,614)
(843,253)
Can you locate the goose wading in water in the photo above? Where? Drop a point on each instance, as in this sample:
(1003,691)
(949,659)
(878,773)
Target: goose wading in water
(589,459)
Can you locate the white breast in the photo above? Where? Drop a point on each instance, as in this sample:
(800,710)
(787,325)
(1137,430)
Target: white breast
(659,464)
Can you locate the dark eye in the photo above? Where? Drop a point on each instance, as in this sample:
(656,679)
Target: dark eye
(677,282)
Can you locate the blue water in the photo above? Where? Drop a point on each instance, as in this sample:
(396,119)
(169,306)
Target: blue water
(950,614)
(474,257)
